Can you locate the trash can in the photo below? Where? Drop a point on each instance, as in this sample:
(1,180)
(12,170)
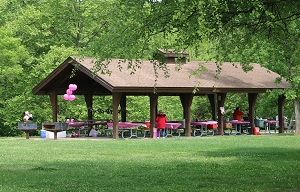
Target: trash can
(259,122)
(43,133)
(154,133)
(147,123)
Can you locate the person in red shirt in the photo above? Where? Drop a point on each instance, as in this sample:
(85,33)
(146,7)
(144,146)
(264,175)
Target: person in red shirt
(238,114)
(161,120)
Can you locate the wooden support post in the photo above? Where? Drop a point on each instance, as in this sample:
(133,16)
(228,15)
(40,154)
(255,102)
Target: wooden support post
(281,101)
(27,134)
(55,135)
(153,111)
(123,108)
(213,100)
(54,104)
(89,104)
(251,101)
(221,100)
(186,101)
(116,103)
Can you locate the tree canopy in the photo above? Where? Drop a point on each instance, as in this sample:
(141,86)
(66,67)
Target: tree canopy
(261,31)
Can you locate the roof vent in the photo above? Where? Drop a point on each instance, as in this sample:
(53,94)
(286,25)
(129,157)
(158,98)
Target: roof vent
(171,56)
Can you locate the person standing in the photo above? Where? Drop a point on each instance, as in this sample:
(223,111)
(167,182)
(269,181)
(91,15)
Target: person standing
(161,120)
(238,115)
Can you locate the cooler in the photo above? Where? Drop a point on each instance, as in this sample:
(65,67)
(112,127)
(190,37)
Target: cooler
(256,131)
(147,123)
(227,125)
(212,126)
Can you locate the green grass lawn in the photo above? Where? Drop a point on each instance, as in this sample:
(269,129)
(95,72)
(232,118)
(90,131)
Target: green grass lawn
(219,163)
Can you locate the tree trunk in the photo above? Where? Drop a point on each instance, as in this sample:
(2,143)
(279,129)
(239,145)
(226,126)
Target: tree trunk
(297,116)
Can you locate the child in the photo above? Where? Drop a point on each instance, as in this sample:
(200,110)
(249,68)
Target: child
(161,120)
(27,116)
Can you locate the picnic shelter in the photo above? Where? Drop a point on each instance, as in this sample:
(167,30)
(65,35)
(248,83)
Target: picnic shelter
(120,78)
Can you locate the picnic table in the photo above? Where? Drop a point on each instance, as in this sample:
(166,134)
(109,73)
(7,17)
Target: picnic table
(85,125)
(130,127)
(55,127)
(170,126)
(237,126)
(204,127)
(268,124)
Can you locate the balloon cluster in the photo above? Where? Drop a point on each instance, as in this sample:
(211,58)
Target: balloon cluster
(69,93)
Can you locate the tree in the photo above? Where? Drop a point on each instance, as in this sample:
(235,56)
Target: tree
(265,32)
(13,84)
(36,36)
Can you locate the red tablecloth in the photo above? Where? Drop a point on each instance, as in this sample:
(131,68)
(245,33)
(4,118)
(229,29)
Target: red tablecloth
(172,125)
(76,124)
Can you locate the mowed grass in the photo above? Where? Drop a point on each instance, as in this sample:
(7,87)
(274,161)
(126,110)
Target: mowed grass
(218,163)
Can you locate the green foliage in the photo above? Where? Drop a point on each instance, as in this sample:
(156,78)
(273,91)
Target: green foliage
(171,107)
(201,106)
(102,106)
(138,108)
(233,101)
(13,84)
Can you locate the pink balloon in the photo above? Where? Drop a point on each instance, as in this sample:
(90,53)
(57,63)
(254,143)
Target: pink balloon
(72,87)
(69,92)
(72,97)
(66,97)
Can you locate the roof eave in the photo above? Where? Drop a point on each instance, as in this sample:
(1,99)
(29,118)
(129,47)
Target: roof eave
(37,89)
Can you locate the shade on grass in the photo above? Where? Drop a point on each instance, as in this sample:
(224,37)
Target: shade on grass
(219,163)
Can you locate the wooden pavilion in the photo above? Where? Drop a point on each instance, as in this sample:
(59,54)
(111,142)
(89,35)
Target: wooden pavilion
(141,80)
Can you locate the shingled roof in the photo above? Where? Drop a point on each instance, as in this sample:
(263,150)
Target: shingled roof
(140,79)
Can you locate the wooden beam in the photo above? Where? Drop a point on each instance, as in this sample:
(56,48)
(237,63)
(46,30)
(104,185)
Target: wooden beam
(186,100)
(116,102)
(281,102)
